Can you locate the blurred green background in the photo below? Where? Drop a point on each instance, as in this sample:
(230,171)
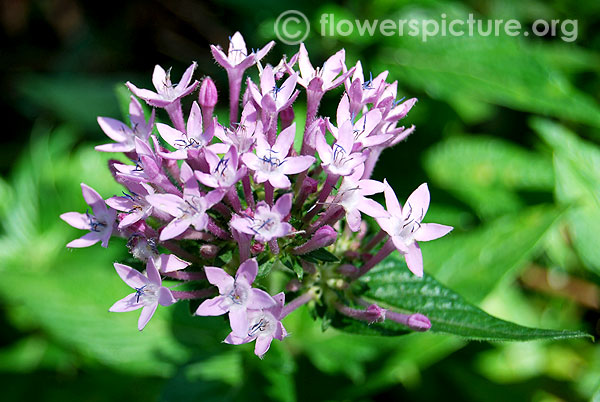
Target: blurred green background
(508,137)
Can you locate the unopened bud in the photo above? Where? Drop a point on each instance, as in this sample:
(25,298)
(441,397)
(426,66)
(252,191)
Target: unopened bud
(209,251)
(419,322)
(323,237)
(257,248)
(207,96)
(293,286)
(287,117)
(347,270)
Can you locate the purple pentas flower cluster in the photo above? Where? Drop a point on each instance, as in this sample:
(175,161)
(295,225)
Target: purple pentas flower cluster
(217,207)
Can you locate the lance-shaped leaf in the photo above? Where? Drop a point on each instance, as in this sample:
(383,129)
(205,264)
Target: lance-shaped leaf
(392,286)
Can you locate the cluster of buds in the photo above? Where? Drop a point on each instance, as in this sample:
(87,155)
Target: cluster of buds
(218,208)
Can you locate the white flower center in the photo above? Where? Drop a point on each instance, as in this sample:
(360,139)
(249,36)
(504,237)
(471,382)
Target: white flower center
(147,294)
(262,324)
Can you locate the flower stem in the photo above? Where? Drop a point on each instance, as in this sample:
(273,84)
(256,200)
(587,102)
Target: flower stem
(297,302)
(176,115)
(386,250)
(248,192)
(235,84)
(185,276)
(194,294)
(375,240)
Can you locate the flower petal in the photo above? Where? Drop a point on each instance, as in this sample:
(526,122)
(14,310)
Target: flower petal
(248,271)
(391,201)
(77,220)
(262,345)
(88,239)
(238,320)
(259,299)
(128,303)
(146,314)
(212,307)
(130,276)
(93,199)
(219,278)
(432,231)
(165,297)
(418,201)
(414,259)
(174,228)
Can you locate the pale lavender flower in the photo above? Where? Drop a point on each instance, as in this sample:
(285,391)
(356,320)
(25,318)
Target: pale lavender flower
(243,137)
(363,91)
(268,223)
(236,295)
(324,78)
(122,133)
(133,202)
(149,292)
(272,163)
(352,197)
(189,210)
(224,172)
(146,168)
(237,59)
(364,130)
(235,63)
(338,159)
(263,326)
(166,93)
(195,137)
(270,97)
(100,223)
(405,227)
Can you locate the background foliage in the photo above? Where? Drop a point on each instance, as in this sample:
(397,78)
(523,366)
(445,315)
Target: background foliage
(508,139)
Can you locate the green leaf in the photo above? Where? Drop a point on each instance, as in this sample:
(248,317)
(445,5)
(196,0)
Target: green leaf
(319,255)
(498,70)
(474,263)
(392,285)
(486,172)
(577,163)
(577,166)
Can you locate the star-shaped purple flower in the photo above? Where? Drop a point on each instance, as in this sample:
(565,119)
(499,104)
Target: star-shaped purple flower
(272,163)
(149,292)
(195,138)
(262,326)
(100,224)
(122,133)
(189,210)
(351,196)
(236,295)
(224,172)
(405,227)
(133,202)
(268,223)
(166,92)
(339,160)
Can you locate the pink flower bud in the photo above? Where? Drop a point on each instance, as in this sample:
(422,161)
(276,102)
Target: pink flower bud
(323,237)
(293,286)
(347,270)
(207,96)
(209,251)
(257,248)
(419,322)
(287,117)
